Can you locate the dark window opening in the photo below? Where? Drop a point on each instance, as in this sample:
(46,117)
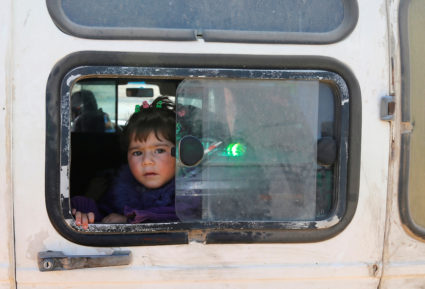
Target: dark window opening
(100,109)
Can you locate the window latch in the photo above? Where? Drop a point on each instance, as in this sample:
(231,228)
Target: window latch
(387,108)
(57,260)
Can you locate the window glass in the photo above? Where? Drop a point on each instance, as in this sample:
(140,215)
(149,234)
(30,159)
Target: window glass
(269,145)
(260,140)
(132,94)
(271,21)
(248,15)
(93,106)
(414,89)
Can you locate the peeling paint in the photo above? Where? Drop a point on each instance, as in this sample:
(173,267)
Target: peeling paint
(71,79)
(328,222)
(64,181)
(124,228)
(374,270)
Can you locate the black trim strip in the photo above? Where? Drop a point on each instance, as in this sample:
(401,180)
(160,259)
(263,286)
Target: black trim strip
(405,60)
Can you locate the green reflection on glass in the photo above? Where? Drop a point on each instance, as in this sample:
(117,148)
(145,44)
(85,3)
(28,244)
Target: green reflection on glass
(236,149)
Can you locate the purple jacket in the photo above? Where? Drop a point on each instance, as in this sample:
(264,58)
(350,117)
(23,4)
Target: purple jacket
(130,198)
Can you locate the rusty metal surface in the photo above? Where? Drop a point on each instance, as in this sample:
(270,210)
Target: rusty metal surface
(57,260)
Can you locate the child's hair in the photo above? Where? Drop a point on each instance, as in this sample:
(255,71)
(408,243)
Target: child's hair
(159,118)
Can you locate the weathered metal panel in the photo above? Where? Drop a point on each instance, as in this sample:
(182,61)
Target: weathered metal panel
(404,252)
(7,261)
(351,259)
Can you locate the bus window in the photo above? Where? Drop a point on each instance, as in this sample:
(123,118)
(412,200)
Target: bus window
(312,21)
(274,146)
(412,174)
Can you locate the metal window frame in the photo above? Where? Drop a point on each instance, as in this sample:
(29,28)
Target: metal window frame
(351,15)
(85,64)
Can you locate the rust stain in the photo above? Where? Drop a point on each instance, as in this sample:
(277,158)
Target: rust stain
(374,270)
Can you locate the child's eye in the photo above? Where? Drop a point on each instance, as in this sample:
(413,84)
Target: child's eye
(160,151)
(136,153)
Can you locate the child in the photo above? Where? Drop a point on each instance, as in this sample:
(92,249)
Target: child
(144,189)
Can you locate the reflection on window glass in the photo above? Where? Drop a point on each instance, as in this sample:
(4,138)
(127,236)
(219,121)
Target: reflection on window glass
(416,49)
(134,93)
(266,149)
(93,106)
(248,15)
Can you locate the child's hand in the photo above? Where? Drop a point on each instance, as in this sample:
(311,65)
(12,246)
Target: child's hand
(83,219)
(114,218)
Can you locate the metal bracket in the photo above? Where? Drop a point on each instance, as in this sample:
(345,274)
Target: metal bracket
(387,108)
(57,260)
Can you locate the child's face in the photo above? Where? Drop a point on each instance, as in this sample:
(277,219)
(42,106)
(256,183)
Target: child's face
(151,162)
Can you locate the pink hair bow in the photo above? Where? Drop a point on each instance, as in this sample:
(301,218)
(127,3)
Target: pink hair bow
(145,104)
